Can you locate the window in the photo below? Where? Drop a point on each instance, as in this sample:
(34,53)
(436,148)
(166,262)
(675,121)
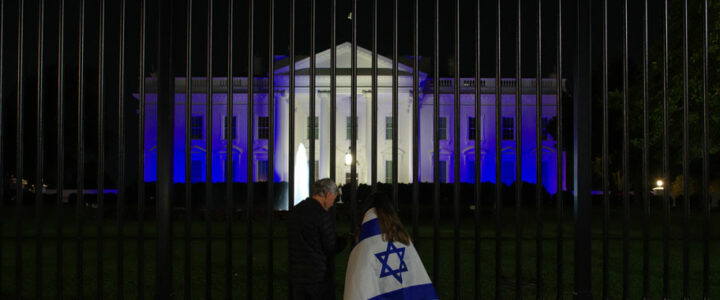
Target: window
(471,128)
(348,127)
(442,128)
(388,128)
(314,132)
(348,178)
(234,128)
(388,171)
(508,128)
(262,171)
(545,133)
(196,127)
(196,170)
(443,171)
(263,127)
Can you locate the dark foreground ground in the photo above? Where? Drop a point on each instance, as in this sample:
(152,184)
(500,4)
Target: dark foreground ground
(108,259)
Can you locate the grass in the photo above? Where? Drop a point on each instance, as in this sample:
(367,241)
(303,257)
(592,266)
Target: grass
(109,264)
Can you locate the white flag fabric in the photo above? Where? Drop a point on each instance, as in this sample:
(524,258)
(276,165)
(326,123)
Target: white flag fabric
(380,270)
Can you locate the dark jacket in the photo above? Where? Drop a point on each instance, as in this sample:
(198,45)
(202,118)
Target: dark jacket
(313,243)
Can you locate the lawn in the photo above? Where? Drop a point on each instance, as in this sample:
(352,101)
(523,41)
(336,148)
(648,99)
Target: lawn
(110,256)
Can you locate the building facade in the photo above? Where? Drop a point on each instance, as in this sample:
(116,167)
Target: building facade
(468,144)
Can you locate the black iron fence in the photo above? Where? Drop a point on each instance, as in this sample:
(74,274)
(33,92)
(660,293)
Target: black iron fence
(86,142)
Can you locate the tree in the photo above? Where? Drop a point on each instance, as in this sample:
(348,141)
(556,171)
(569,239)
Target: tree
(675,99)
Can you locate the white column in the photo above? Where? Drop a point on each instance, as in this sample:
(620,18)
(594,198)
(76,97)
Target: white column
(281,135)
(407,132)
(324,147)
(367,125)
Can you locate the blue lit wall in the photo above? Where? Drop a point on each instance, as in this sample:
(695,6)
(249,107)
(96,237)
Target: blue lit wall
(467,155)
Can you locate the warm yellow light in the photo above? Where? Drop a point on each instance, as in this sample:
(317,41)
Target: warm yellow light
(659,183)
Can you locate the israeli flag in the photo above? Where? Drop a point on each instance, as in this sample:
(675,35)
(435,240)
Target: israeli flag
(382,270)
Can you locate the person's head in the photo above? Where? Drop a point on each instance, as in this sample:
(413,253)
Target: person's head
(390,224)
(324,191)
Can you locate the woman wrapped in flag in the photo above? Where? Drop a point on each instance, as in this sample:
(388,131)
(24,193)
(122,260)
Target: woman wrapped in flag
(383,263)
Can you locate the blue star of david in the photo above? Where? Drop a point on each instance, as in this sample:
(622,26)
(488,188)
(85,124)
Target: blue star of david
(386,269)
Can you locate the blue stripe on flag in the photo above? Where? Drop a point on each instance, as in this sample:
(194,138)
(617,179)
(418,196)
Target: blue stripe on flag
(421,291)
(369,229)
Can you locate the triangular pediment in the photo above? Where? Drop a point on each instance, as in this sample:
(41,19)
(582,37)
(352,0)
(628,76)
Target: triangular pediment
(344,60)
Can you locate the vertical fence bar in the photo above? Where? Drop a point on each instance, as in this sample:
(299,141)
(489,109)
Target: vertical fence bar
(188,144)
(60,144)
(478,153)
(101,148)
(311,136)
(686,157)
(165,121)
(251,114)
(353,115)
(291,128)
(538,158)
(333,116)
(121,157)
(498,141)
(2,101)
(39,142)
(415,124)
(230,137)
(19,152)
(456,142)
(582,153)
(208,150)
(559,158)
(333,88)
(436,142)
(518,154)
(666,153)
(646,135)
(706,158)
(141,159)
(374,83)
(2,163)
(394,109)
(271,144)
(626,157)
(605,159)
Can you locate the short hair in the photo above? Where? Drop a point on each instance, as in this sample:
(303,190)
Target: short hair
(324,186)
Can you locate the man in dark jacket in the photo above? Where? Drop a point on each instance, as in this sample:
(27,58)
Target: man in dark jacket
(313,243)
